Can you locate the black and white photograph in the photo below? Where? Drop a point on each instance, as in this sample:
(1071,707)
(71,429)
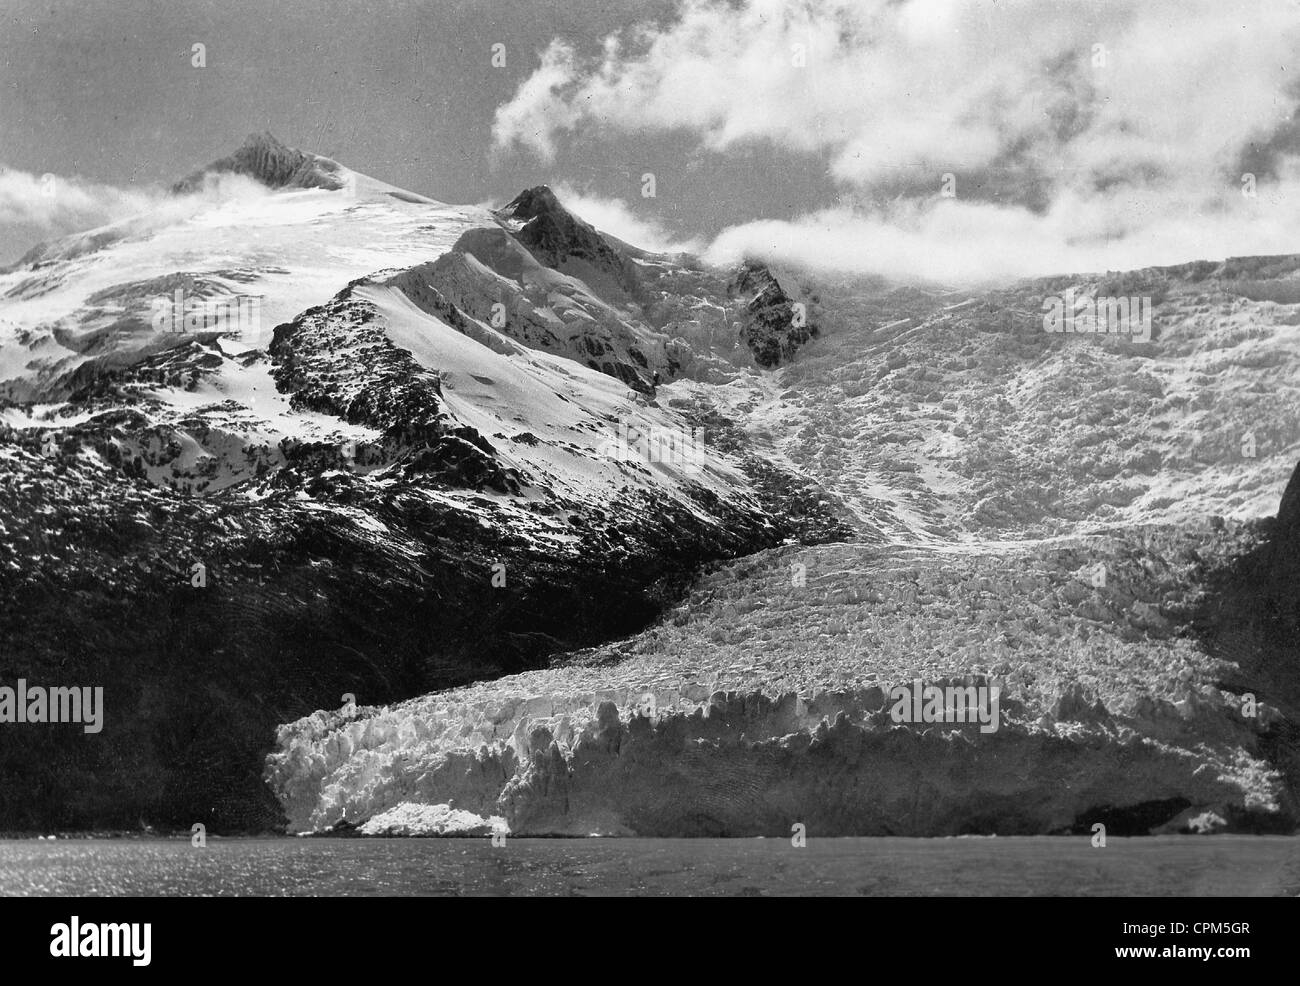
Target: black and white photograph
(670,448)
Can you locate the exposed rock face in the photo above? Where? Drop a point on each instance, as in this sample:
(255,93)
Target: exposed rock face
(264,158)
(1288,512)
(560,240)
(1251,617)
(773,327)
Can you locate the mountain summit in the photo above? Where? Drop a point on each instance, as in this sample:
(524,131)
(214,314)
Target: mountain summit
(534,202)
(265,158)
(563,242)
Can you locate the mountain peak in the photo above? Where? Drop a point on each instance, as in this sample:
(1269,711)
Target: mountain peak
(562,241)
(265,158)
(263,142)
(534,202)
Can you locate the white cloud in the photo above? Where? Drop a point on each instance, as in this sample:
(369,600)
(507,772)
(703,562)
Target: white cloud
(538,110)
(1120,129)
(958,243)
(43,207)
(614,216)
(55,203)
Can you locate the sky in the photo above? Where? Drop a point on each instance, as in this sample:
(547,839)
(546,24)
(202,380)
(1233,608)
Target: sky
(945,139)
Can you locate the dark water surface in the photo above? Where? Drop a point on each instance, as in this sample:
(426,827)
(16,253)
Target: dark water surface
(1161,866)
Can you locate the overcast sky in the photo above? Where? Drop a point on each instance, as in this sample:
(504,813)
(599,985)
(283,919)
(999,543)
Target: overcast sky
(1076,135)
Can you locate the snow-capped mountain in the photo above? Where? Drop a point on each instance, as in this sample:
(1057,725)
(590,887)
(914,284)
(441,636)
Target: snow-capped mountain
(87,303)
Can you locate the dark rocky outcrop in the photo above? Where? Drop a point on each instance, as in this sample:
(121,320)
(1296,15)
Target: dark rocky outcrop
(264,158)
(1253,613)
(773,327)
(1288,513)
(1251,617)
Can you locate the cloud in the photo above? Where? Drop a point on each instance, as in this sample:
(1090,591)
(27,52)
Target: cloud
(614,216)
(538,110)
(1070,137)
(965,243)
(62,205)
(34,208)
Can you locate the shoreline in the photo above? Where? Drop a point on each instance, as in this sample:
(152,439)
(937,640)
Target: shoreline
(326,836)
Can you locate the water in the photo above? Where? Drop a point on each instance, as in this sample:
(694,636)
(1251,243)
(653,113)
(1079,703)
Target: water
(1163,866)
